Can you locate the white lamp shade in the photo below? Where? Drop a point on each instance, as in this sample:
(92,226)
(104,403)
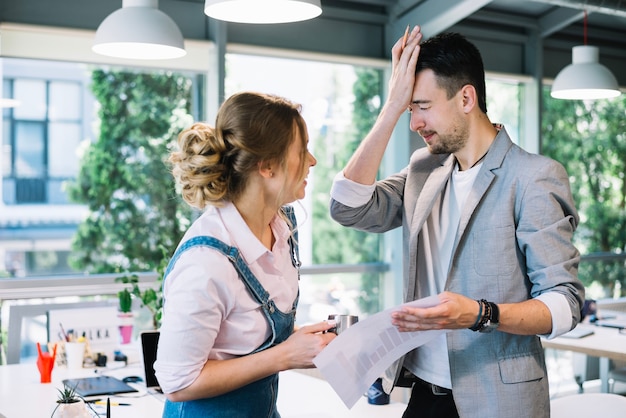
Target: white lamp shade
(585,77)
(139,30)
(262,11)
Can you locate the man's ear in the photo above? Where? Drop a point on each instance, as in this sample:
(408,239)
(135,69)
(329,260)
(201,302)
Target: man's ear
(468,93)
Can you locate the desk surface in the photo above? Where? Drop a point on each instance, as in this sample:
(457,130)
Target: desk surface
(604,342)
(21,394)
(300,396)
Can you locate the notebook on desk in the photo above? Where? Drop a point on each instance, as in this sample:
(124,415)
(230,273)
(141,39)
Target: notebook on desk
(578,333)
(149,342)
(612,323)
(98,386)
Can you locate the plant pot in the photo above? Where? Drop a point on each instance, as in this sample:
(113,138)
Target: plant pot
(71,410)
(126,326)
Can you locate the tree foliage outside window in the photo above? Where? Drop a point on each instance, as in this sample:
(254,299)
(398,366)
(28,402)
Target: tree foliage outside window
(333,243)
(589,139)
(135,217)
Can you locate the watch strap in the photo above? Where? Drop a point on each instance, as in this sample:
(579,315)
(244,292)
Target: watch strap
(488,317)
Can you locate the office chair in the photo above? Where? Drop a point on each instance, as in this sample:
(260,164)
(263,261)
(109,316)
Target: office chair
(616,373)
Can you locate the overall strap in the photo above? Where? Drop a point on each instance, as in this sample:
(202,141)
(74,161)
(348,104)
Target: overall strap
(232,253)
(234,256)
(293,239)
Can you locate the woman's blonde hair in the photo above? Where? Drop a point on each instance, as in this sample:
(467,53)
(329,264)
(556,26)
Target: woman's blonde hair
(213,165)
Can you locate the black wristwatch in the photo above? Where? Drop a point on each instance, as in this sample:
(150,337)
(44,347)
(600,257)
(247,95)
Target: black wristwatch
(492,317)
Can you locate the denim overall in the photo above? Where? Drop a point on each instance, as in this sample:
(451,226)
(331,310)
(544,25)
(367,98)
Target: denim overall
(257,399)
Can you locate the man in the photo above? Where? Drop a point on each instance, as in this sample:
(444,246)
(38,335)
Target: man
(486,226)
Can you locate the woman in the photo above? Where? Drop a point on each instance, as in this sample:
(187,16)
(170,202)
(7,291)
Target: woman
(228,321)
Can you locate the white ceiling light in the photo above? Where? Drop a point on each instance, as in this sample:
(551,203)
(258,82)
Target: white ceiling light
(585,78)
(139,30)
(262,11)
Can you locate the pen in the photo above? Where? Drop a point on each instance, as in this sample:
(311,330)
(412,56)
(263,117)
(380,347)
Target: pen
(406,36)
(108,402)
(65,336)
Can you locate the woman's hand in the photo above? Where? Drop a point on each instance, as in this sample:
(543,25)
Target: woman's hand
(306,343)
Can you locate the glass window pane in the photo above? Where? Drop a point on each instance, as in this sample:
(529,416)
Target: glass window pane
(7,163)
(6,94)
(339,293)
(65,101)
(29,150)
(503,105)
(32,97)
(64,139)
(339,103)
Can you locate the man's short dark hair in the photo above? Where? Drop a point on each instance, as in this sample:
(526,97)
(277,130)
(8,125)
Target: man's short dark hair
(456,62)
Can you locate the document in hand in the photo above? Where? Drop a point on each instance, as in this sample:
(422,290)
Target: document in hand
(360,354)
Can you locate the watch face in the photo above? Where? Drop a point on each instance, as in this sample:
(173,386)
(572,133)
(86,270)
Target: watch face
(489,326)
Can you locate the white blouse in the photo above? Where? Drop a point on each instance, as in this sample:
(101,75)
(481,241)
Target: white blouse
(208,311)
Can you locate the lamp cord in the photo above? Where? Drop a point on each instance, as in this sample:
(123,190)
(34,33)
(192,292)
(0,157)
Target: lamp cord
(585,27)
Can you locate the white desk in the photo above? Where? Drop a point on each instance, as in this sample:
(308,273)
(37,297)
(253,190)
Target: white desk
(300,396)
(605,343)
(22,396)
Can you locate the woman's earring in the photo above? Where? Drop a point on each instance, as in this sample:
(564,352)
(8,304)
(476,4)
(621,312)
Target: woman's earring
(271,174)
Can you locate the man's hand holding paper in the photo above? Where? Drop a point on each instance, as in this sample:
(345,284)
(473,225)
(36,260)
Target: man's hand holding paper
(452,312)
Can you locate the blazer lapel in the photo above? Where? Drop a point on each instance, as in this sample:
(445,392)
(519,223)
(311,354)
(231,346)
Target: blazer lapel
(423,206)
(485,177)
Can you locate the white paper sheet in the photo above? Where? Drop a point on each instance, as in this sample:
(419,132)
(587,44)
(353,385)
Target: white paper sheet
(360,354)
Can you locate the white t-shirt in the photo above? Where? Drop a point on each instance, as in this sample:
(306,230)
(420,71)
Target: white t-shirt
(430,362)
(208,311)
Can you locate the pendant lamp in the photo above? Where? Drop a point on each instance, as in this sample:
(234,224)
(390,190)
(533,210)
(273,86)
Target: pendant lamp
(262,11)
(139,30)
(585,78)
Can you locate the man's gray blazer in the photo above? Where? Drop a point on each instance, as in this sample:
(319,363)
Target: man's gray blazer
(513,243)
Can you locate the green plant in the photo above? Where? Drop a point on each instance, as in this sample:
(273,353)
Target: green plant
(67,396)
(150,298)
(125,300)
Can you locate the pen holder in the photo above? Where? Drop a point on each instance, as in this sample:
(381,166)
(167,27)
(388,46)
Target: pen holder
(74,354)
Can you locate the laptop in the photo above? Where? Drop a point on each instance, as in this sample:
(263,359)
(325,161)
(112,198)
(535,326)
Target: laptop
(149,342)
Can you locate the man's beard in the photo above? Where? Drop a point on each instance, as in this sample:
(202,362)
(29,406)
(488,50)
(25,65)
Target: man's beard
(449,143)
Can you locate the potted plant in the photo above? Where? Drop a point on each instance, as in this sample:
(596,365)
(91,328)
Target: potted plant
(125,315)
(150,298)
(70,405)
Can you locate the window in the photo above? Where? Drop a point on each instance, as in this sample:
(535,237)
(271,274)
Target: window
(503,104)
(589,139)
(43,132)
(56,132)
(344,270)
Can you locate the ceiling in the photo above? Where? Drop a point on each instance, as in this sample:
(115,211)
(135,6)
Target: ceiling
(531,37)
